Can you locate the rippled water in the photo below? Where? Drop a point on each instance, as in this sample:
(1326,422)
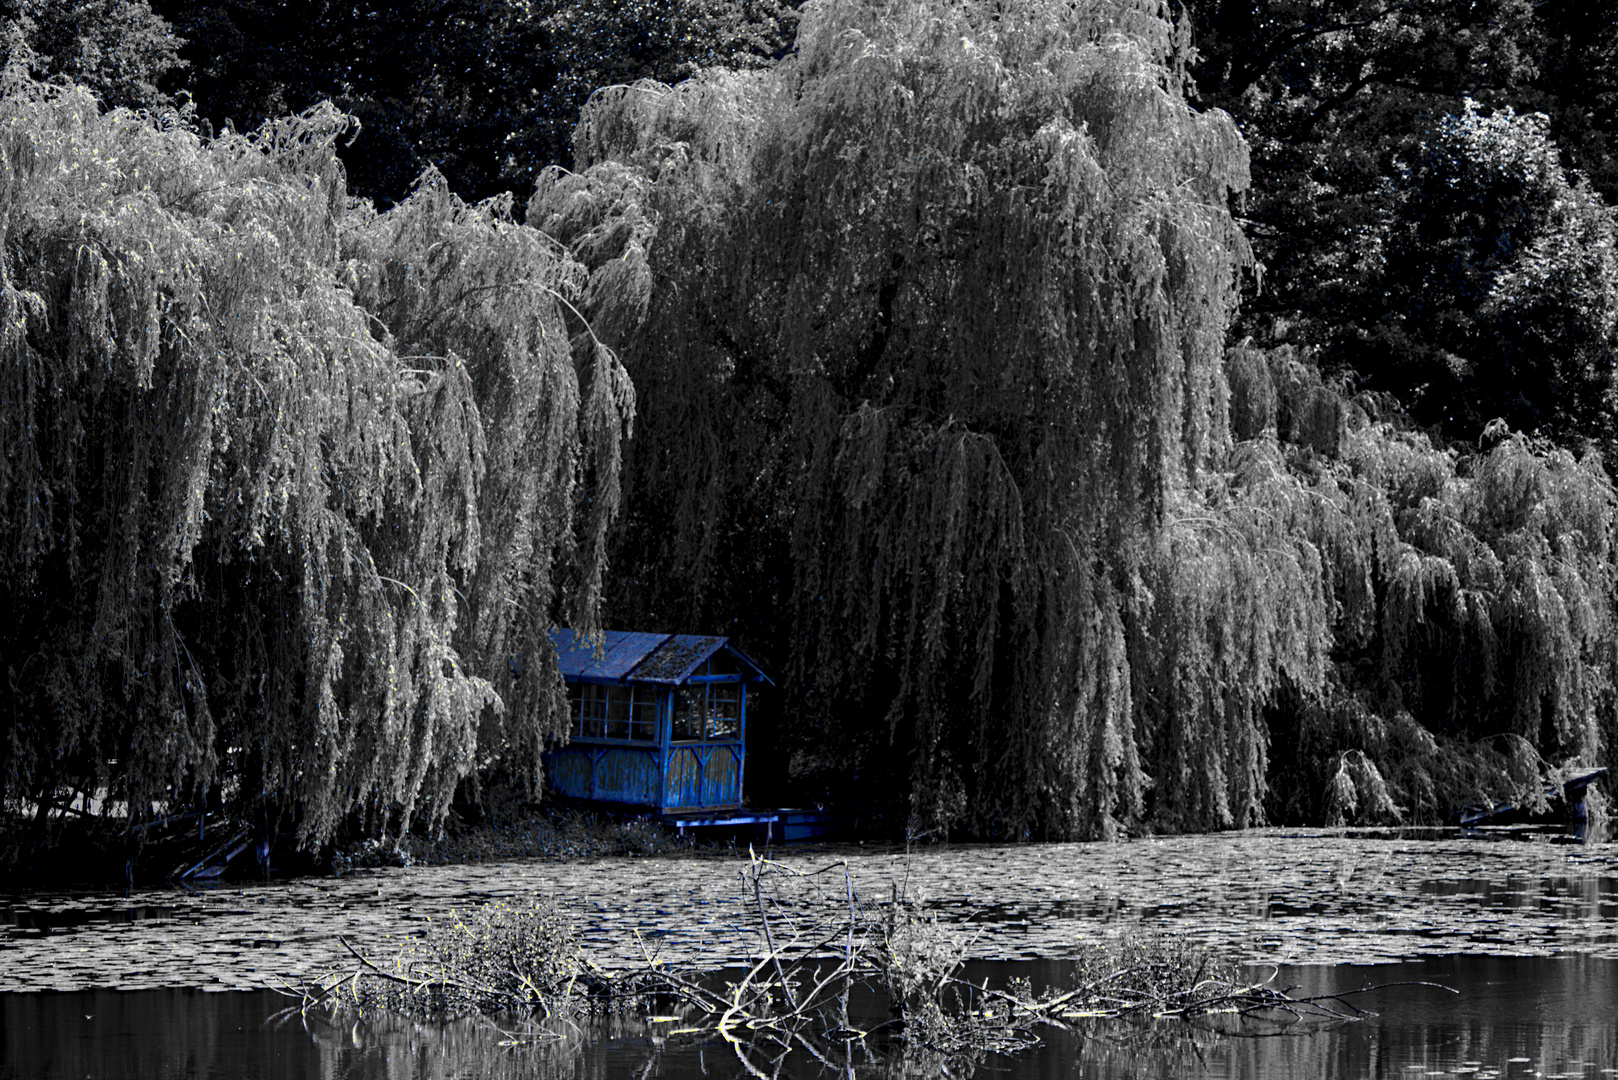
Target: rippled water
(1517,1018)
(1527,930)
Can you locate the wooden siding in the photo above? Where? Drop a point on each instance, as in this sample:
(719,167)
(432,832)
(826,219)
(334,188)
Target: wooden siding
(721,780)
(569,769)
(703,775)
(612,773)
(627,775)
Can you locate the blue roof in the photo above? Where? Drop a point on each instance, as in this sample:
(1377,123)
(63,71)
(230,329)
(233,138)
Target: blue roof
(665,659)
(574,656)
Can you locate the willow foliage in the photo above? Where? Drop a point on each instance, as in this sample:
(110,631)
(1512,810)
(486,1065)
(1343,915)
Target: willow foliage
(1469,602)
(284,485)
(940,411)
(939,329)
(1497,615)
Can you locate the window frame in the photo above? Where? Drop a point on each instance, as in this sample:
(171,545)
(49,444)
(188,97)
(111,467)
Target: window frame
(705,685)
(642,698)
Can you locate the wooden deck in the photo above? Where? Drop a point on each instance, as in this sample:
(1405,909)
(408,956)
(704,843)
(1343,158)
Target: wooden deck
(776,826)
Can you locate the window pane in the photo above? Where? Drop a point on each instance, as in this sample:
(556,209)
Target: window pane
(618,712)
(724,710)
(595,711)
(643,717)
(575,695)
(688,713)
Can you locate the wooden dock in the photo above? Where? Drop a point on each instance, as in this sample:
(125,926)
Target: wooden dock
(776,826)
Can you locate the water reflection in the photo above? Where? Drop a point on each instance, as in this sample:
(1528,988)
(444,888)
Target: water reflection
(44,919)
(1515,1017)
(1584,897)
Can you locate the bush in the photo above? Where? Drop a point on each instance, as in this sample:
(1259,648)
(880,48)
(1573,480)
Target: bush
(506,957)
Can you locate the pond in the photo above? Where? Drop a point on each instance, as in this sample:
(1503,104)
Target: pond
(1526,930)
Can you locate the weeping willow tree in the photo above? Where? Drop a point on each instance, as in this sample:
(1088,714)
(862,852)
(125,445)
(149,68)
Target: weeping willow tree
(1497,621)
(289,491)
(1470,604)
(935,404)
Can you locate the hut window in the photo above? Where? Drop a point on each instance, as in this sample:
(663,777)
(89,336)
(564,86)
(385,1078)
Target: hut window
(592,711)
(688,713)
(711,711)
(724,710)
(618,712)
(643,715)
(613,712)
(632,713)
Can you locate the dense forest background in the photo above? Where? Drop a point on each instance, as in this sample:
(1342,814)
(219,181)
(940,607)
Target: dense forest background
(1102,415)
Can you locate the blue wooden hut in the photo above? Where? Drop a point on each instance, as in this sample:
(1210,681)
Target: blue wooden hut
(658,721)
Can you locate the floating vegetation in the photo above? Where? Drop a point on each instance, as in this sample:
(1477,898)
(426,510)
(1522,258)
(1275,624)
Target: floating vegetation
(1314,897)
(829,972)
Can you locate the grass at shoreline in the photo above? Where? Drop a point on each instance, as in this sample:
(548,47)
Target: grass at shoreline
(546,832)
(557,834)
(95,852)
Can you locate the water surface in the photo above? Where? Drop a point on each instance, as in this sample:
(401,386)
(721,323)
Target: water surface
(1526,930)
(1517,1017)
(1269,896)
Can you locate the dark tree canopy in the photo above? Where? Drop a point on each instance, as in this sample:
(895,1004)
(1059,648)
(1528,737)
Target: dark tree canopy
(1328,93)
(485,91)
(1499,283)
(1385,137)
(120,49)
